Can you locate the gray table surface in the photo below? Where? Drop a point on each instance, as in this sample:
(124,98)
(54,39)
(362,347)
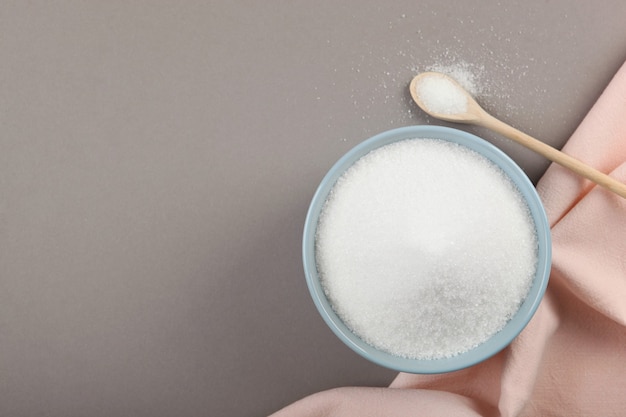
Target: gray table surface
(157,160)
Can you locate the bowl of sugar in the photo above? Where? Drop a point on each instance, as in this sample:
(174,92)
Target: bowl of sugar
(426,249)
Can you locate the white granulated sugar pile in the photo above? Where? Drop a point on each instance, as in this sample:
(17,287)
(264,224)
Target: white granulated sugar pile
(440,95)
(467,75)
(425,249)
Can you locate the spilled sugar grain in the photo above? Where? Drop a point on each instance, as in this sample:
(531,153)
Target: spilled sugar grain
(425,249)
(380,95)
(380,74)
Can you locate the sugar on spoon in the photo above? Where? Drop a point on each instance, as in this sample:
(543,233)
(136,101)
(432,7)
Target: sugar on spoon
(443,98)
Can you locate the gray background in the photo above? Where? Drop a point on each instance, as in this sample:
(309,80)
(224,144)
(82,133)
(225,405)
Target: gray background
(157,160)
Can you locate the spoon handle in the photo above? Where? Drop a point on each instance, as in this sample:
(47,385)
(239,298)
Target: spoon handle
(553,154)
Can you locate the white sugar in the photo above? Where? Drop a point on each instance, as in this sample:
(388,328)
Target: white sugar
(464,73)
(440,95)
(425,249)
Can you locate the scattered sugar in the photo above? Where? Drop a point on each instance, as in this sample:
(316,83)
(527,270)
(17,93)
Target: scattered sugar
(373,76)
(440,95)
(425,249)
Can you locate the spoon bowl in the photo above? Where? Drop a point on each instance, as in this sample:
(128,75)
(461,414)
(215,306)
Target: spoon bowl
(472,113)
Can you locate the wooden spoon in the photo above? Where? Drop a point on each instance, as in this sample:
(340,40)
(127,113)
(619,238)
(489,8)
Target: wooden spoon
(472,113)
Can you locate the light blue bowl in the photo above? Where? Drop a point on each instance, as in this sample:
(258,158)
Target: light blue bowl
(497,342)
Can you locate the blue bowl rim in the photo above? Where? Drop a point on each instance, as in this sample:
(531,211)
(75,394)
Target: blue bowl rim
(515,325)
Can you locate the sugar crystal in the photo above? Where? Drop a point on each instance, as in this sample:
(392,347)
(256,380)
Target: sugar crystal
(425,248)
(440,95)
